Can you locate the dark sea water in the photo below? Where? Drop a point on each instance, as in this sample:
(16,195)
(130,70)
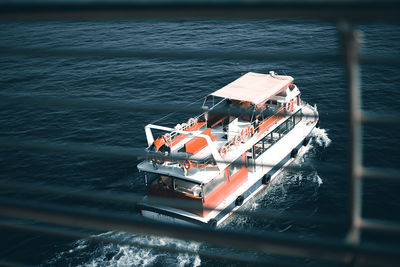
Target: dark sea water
(156,81)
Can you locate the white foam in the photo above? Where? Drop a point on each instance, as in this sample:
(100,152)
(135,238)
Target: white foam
(319,180)
(119,255)
(103,254)
(321,137)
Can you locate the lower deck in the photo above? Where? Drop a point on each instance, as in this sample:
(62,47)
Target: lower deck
(272,156)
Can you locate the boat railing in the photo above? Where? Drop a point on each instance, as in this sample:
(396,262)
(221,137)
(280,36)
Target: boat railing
(176,135)
(248,132)
(261,127)
(186,126)
(268,122)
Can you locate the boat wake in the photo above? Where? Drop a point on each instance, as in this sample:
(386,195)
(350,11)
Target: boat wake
(110,254)
(321,137)
(291,190)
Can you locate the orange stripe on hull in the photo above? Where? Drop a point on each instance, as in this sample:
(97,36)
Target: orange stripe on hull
(226,189)
(269,122)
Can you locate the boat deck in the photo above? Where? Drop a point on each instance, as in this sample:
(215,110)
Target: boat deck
(273,160)
(234,128)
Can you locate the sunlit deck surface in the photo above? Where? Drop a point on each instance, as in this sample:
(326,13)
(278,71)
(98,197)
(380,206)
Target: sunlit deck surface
(218,131)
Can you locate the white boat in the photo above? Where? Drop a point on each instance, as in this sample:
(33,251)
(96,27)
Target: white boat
(249,131)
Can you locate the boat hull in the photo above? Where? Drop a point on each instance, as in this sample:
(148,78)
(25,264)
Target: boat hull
(281,152)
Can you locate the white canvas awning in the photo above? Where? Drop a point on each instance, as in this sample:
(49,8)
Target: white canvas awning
(254,87)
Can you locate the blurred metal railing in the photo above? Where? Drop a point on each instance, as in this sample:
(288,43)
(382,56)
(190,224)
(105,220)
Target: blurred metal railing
(328,10)
(350,251)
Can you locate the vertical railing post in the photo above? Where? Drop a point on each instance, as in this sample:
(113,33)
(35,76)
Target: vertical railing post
(350,43)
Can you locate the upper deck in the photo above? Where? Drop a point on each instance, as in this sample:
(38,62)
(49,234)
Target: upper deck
(208,143)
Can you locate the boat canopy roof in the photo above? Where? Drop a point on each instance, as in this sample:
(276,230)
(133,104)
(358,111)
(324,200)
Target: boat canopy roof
(255,88)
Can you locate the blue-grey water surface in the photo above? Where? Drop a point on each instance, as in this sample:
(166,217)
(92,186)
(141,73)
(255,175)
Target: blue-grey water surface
(155,81)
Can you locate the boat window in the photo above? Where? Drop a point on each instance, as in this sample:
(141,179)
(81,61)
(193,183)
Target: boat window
(163,181)
(285,127)
(289,125)
(267,141)
(297,117)
(261,146)
(187,187)
(214,183)
(258,149)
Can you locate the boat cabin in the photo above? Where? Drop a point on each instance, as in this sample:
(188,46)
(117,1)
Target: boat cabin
(207,158)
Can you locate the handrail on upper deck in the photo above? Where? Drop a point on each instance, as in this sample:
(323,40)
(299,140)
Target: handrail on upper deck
(214,151)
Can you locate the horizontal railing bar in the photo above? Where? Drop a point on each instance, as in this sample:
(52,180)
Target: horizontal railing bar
(382,173)
(379,225)
(381,60)
(368,117)
(56,231)
(140,154)
(269,243)
(95,104)
(332,10)
(8,263)
(184,54)
(132,106)
(181,54)
(132,198)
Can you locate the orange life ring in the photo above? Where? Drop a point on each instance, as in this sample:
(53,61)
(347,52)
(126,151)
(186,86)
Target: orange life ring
(223,151)
(184,126)
(199,166)
(250,130)
(243,135)
(178,127)
(167,139)
(236,140)
(289,106)
(159,142)
(192,121)
(187,165)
